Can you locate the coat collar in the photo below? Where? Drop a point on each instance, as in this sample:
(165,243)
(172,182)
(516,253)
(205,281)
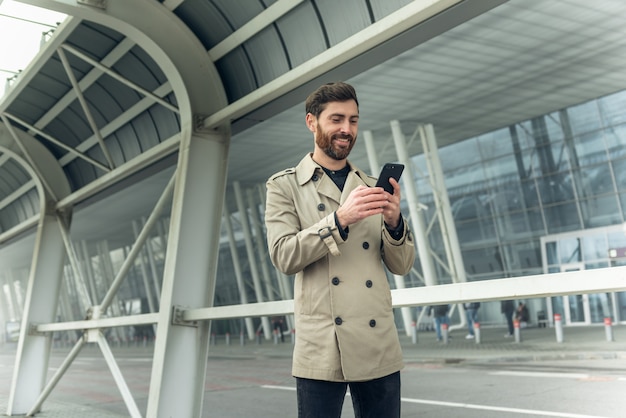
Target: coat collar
(307,168)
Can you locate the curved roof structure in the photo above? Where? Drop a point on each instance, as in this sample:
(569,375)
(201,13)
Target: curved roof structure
(98,97)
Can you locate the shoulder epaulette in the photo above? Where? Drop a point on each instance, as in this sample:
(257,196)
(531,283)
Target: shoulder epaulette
(290,170)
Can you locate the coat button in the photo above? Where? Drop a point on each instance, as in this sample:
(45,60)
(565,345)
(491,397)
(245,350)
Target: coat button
(315,177)
(366,245)
(339,321)
(321,207)
(372,323)
(335,281)
(369,283)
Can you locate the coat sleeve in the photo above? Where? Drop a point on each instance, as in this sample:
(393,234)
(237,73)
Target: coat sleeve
(293,247)
(398,255)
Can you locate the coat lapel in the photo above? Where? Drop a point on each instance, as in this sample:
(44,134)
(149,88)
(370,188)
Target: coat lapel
(328,188)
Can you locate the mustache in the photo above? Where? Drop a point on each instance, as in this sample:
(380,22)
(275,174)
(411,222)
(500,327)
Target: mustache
(342,136)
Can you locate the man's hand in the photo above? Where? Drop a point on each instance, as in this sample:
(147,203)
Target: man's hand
(367,201)
(391,212)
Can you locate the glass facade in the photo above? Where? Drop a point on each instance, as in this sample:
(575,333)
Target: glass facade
(554,174)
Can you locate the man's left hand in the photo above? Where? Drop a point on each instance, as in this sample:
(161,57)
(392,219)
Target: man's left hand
(391,211)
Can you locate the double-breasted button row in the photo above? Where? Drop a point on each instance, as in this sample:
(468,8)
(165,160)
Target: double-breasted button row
(335,281)
(321,207)
(315,177)
(339,321)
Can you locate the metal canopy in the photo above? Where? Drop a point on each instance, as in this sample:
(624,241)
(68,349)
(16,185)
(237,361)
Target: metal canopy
(97,100)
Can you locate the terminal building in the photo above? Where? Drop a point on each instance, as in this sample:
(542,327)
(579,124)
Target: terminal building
(134,151)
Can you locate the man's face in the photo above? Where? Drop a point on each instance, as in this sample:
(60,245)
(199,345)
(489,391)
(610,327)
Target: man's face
(336,129)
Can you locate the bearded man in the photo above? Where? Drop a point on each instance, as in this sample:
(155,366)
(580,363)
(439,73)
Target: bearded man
(327,224)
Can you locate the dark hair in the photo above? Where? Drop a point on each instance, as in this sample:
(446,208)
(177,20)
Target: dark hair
(330,92)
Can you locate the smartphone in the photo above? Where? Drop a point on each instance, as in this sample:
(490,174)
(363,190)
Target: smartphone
(389,170)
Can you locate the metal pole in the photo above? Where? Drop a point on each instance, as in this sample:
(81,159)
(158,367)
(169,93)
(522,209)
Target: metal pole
(398,279)
(234,254)
(558,327)
(608,329)
(417,220)
(477,332)
(245,226)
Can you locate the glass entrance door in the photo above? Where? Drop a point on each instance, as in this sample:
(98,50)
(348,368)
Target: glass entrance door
(576,307)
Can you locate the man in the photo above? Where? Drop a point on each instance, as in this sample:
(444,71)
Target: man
(507,307)
(440,314)
(471,314)
(329,226)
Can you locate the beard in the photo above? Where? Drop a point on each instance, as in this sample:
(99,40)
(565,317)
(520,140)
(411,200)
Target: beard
(324,141)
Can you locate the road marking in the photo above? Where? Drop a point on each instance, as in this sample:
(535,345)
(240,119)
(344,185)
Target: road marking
(278,387)
(541,374)
(535,412)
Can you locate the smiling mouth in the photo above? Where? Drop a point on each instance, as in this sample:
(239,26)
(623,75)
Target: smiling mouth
(343,139)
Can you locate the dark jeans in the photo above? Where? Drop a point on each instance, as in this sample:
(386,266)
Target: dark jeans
(509,321)
(378,398)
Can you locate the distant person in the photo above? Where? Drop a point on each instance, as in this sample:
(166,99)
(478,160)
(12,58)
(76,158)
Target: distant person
(440,314)
(277,323)
(507,307)
(471,313)
(521,314)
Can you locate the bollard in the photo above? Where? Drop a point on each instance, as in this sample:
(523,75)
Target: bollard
(242,340)
(608,329)
(228,338)
(477,332)
(275,336)
(444,333)
(413,332)
(558,327)
(516,330)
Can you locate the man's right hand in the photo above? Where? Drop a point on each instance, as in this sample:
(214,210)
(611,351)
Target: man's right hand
(362,202)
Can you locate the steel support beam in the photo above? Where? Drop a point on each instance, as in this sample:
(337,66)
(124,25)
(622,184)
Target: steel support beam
(234,255)
(372,157)
(180,352)
(417,218)
(254,271)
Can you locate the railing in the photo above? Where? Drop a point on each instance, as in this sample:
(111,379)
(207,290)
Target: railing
(611,279)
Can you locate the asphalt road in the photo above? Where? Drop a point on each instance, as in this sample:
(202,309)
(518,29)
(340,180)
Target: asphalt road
(253,386)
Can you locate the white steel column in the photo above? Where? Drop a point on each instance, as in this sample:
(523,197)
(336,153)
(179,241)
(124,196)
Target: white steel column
(419,229)
(442,202)
(234,254)
(247,235)
(261,244)
(31,363)
(375,169)
(144,272)
(181,349)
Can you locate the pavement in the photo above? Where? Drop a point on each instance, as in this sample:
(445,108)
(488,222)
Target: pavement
(533,344)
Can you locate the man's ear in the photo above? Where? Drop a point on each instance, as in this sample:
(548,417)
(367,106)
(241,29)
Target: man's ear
(311,122)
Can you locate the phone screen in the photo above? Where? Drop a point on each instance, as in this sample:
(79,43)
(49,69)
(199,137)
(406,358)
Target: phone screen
(389,170)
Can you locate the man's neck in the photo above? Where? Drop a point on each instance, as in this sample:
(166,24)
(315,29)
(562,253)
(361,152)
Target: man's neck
(329,163)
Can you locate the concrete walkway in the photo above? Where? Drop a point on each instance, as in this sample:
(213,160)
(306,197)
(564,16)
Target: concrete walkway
(536,344)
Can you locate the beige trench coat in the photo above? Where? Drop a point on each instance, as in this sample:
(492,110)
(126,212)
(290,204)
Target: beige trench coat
(344,322)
